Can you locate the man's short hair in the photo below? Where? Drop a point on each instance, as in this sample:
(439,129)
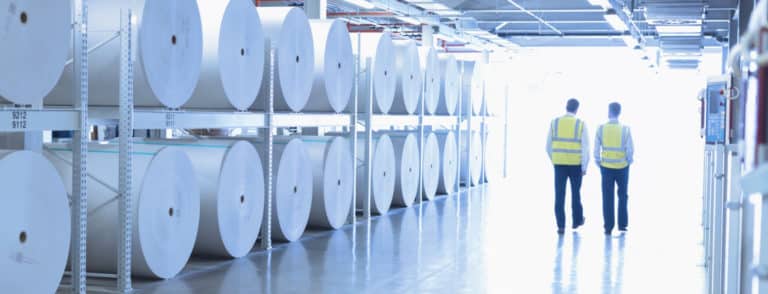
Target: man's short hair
(614,109)
(572,105)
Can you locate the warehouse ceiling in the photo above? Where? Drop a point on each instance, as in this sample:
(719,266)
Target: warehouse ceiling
(529,21)
(675,31)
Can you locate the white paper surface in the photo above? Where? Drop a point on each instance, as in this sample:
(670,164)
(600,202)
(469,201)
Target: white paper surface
(166,203)
(292,187)
(406,147)
(471,164)
(165,73)
(432,169)
(332,180)
(383,174)
(409,78)
(450,157)
(35,38)
(287,28)
(233,55)
(449,85)
(334,67)
(380,48)
(431,69)
(473,85)
(36,224)
(231,180)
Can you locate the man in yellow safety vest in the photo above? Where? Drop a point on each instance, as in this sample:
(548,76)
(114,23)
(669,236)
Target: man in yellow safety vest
(614,153)
(568,149)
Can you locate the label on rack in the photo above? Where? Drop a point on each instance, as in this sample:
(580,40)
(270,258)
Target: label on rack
(170,120)
(19,119)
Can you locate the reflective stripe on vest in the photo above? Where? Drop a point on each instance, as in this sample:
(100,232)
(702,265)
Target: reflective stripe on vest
(566,140)
(613,155)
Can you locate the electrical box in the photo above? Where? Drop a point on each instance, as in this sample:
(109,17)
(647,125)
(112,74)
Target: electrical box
(715,101)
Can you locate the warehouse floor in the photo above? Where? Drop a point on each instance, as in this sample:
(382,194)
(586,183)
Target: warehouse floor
(490,242)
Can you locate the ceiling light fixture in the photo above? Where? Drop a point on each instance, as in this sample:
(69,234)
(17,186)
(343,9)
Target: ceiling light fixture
(601,3)
(615,21)
(410,20)
(631,42)
(679,30)
(361,3)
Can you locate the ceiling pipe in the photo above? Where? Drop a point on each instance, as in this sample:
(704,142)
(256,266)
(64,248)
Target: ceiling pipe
(469,11)
(544,22)
(362,13)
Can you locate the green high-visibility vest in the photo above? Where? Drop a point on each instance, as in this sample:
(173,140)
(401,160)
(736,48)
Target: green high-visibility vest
(566,140)
(613,155)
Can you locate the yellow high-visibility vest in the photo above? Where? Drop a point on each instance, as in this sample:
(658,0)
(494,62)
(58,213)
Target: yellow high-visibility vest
(566,140)
(613,155)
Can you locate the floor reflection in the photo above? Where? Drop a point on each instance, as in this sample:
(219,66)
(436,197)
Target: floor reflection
(487,242)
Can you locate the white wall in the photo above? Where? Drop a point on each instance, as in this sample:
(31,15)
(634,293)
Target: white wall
(661,109)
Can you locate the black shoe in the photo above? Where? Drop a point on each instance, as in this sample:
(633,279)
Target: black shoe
(607,232)
(581,223)
(560,231)
(623,230)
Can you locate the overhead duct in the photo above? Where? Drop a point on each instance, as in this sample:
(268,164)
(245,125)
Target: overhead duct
(679,26)
(680,45)
(679,12)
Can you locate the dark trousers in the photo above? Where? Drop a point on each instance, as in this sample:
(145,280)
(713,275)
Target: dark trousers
(562,174)
(611,179)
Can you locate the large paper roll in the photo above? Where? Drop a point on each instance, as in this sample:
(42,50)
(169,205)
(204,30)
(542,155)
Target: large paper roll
(409,78)
(493,151)
(471,164)
(334,67)
(431,173)
(291,186)
(165,202)
(473,87)
(383,174)
(449,151)
(287,28)
(36,37)
(449,85)
(406,147)
(430,66)
(332,180)
(36,224)
(231,180)
(233,55)
(380,48)
(169,52)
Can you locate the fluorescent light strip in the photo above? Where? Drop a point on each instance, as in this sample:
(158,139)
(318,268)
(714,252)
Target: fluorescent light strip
(679,30)
(361,3)
(602,3)
(630,41)
(616,22)
(409,20)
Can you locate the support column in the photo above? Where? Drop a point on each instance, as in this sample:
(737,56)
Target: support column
(316,9)
(427,36)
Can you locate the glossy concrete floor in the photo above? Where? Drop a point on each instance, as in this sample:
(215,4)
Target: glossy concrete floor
(489,241)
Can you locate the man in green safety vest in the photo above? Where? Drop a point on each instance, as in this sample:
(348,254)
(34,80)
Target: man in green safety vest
(568,149)
(614,153)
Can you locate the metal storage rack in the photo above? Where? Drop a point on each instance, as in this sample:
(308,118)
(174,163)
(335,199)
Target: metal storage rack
(129,118)
(37,118)
(471,122)
(421,121)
